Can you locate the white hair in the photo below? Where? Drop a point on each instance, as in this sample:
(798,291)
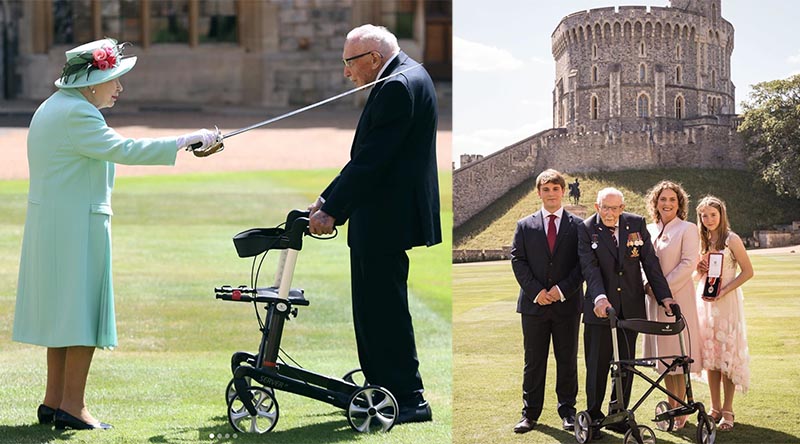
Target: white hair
(605,192)
(385,41)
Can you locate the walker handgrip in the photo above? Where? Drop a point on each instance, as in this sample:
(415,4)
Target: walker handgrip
(611,312)
(195,145)
(676,310)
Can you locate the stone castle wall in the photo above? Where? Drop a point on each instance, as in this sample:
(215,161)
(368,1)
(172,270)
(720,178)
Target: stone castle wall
(701,145)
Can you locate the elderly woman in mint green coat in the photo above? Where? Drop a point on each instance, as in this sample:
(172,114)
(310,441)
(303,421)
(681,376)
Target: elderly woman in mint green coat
(65,296)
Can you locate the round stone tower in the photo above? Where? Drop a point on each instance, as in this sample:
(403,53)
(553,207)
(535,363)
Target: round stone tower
(630,67)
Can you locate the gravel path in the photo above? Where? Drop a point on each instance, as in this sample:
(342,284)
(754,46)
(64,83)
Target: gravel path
(316,139)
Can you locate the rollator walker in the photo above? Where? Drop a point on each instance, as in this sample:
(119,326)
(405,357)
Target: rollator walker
(664,414)
(250,395)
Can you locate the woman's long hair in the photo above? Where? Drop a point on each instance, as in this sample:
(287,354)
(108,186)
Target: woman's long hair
(722,230)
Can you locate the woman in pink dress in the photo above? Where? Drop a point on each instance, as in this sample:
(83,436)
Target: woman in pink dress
(677,244)
(725,354)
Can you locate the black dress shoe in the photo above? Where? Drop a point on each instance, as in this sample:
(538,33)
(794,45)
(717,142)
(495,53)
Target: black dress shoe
(46,414)
(416,413)
(568,423)
(64,420)
(525,425)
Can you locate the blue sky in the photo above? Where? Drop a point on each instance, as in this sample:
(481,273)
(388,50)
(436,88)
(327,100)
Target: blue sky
(503,68)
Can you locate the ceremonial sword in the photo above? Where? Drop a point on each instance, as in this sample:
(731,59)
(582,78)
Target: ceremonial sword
(218,146)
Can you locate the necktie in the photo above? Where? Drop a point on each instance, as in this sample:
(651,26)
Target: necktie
(612,230)
(551,232)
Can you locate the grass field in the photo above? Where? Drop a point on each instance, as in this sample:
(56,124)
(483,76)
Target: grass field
(488,361)
(172,245)
(751,204)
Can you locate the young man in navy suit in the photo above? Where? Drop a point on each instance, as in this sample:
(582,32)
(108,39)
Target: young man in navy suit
(389,192)
(544,257)
(614,247)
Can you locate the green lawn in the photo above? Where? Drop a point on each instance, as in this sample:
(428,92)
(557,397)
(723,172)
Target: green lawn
(172,245)
(751,204)
(488,361)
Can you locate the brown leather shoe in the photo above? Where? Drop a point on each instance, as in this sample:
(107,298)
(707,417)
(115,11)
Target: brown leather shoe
(525,425)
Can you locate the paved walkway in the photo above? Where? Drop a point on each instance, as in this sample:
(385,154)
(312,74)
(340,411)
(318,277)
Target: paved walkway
(319,138)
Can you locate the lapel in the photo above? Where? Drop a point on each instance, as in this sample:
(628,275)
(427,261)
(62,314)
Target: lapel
(605,236)
(563,228)
(623,230)
(538,228)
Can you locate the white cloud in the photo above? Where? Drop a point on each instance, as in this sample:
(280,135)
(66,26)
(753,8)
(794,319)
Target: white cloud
(794,60)
(472,56)
(489,140)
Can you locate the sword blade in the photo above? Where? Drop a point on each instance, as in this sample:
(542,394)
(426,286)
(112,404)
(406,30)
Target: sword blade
(314,105)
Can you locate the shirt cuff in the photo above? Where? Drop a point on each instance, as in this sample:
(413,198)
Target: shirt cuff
(560,294)
(600,296)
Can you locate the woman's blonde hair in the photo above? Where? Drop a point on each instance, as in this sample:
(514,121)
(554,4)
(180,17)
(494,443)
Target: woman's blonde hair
(655,193)
(722,230)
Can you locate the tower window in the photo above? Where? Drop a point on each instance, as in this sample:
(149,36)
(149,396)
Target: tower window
(678,51)
(642,73)
(643,106)
(713,78)
(641,49)
(594,51)
(594,74)
(679,107)
(595,108)
(678,75)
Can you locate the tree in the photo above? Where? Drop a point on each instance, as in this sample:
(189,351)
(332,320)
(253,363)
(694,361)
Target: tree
(771,129)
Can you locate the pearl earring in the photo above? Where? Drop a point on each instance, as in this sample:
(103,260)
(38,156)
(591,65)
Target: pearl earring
(93,91)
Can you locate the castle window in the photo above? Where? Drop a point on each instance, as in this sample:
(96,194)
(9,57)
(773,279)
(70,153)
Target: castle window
(643,106)
(594,74)
(595,108)
(678,51)
(712,105)
(679,107)
(713,78)
(642,73)
(678,75)
(594,51)
(641,49)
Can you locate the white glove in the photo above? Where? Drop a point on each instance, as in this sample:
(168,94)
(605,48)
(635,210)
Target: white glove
(204,136)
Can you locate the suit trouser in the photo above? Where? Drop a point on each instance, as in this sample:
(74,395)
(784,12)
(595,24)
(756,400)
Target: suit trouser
(536,333)
(384,333)
(599,353)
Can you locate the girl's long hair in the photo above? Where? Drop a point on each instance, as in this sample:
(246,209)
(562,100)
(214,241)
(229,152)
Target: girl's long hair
(722,230)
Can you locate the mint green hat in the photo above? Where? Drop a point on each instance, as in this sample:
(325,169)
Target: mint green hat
(93,63)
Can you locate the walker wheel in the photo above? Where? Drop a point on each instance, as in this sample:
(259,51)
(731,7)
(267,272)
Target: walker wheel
(230,390)
(356,377)
(372,409)
(266,412)
(706,428)
(583,427)
(667,424)
(645,433)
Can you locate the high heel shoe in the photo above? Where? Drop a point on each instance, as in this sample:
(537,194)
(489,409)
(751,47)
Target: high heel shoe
(64,420)
(46,414)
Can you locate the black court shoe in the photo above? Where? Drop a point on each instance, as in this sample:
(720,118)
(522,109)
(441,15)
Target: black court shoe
(46,414)
(64,420)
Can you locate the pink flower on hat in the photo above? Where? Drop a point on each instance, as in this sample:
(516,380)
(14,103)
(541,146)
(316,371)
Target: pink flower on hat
(99,54)
(102,65)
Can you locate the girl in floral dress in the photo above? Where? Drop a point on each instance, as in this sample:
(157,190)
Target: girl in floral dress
(725,356)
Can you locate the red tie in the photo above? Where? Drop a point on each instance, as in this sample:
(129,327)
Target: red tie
(551,232)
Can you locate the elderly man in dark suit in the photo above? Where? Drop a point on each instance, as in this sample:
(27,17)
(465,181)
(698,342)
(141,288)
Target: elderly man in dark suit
(390,194)
(544,257)
(614,247)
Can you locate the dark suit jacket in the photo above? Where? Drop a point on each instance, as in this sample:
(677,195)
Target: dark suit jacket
(617,272)
(536,268)
(389,189)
